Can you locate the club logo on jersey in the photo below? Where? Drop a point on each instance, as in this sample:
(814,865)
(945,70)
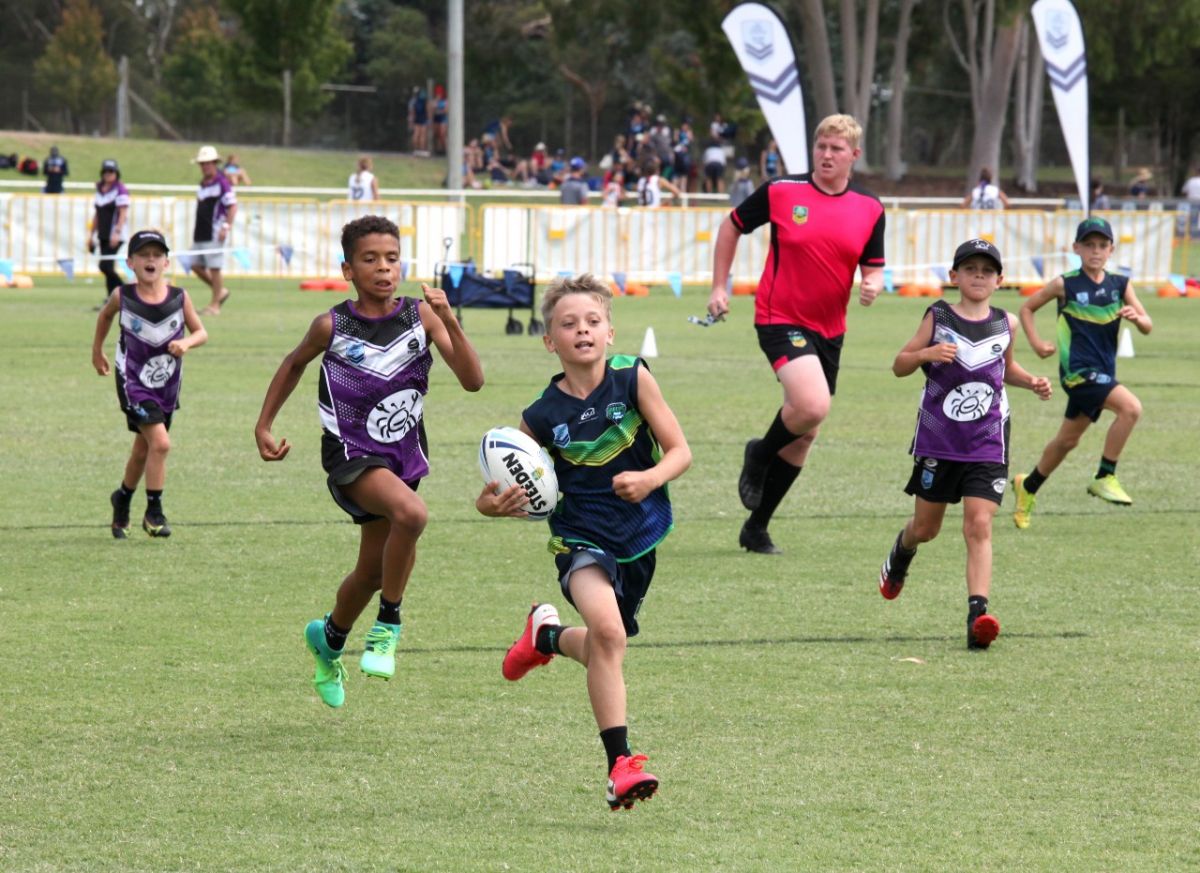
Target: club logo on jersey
(1081,297)
(394,416)
(136,325)
(356,353)
(414,344)
(562,436)
(998,486)
(615,412)
(968,402)
(799,214)
(157,371)
(588,414)
(756,37)
(797,339)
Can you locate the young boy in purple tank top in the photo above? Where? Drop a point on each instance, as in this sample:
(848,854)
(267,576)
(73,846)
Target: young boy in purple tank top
(960,447)
(148,370)
(374,376)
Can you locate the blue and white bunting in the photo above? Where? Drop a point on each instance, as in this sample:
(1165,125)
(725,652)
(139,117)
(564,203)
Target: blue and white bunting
(675,280)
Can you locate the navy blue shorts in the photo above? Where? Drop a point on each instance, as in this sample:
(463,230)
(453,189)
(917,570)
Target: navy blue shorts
(940,481)
(782,343)
(630,579)
(1087,398)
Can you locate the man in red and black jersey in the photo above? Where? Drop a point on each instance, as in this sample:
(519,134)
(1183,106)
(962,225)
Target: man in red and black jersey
(823,227)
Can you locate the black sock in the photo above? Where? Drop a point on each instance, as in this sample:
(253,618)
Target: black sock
(780,476)
(616,743)
(776,438)
(124,493)
(1107,468)
(547,639)
(389,613)
(1033,481)
(977,605)
(154,503)
(335,637)
(899,558)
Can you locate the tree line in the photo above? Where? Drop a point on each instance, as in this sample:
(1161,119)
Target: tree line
(934,82)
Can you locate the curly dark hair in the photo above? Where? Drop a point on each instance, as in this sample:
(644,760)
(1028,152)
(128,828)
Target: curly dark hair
(355,230)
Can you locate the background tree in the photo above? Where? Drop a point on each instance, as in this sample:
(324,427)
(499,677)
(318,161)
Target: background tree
(197,73)
(74,70)
(893,160)
(400,53)
(1028,102)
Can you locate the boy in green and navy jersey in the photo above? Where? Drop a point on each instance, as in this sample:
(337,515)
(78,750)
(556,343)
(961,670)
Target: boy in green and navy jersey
(1091,304)
(616,444)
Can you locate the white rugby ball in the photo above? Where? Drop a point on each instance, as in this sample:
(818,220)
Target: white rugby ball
(510,457)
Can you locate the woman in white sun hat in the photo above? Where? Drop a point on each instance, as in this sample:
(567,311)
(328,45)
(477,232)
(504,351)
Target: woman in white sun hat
(216,208)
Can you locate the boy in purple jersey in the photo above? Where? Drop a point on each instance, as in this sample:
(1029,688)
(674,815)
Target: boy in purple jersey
(374,376)
(960,448)
(148,370)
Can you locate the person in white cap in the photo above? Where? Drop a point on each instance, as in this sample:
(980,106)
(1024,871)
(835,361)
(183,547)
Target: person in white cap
(216,208)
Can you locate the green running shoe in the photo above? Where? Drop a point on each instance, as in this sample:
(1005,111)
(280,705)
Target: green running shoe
(330,672)
(1025,502)
(1109,489)
(379,654)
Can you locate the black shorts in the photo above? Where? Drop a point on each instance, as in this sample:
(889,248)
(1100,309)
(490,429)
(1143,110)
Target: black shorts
(786,342)
(1087,398)
(343,472)
(714,170)
(940,481)
(630,579)
(140,414)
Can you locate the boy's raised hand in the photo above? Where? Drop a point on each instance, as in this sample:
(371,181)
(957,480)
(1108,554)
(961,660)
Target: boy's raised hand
(436,298)
(942,353)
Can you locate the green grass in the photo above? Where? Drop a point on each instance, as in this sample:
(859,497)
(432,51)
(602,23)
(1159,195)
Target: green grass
(170,163)
(157,712)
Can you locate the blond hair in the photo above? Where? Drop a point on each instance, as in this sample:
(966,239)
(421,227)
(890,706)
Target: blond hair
(582,284)
(840,125)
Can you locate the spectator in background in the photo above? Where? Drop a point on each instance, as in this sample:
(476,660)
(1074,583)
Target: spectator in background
(1140,186)
(985,194)
(770,162)
(685,166)
(742,186)
(539,165)
(661,143)
(234,171)
(216,209)
(362,183)
(716,129)
(574,190)
(412,118)
(440,118)
(1099,200)
(714,167)
(1191,190)
(109,222)
(55,170)
(558,168)
(420,141)
(614,188)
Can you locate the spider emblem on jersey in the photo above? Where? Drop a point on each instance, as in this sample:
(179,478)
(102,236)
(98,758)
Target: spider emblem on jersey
(969,401)
(394,416)
(157,371)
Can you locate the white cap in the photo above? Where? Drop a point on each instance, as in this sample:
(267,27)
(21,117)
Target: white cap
(205,155)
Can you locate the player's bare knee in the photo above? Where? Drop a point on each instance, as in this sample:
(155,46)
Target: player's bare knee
(607,637)
(977,528)
(411,516)
(926,531)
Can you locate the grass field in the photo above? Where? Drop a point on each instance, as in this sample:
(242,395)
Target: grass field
(157,712)
(170,163)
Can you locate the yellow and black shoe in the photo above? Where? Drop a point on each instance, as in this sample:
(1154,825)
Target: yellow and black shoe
(156,525)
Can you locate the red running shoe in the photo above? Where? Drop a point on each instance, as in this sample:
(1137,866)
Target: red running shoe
(523,655)
(629,782)
(982,631)
(890,584)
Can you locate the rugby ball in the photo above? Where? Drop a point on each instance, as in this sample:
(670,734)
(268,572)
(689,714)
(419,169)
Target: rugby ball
(510,457)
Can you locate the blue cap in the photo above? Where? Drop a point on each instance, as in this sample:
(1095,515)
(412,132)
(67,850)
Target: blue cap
(578,163)
(1094,225)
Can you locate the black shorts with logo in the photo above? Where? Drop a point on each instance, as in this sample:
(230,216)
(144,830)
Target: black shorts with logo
(342,472)
(786,342)
(1087,398)
(630,579)
(141,414)
(941,481)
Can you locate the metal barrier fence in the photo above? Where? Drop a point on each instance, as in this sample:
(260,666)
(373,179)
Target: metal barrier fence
(300,238)
(272,237)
